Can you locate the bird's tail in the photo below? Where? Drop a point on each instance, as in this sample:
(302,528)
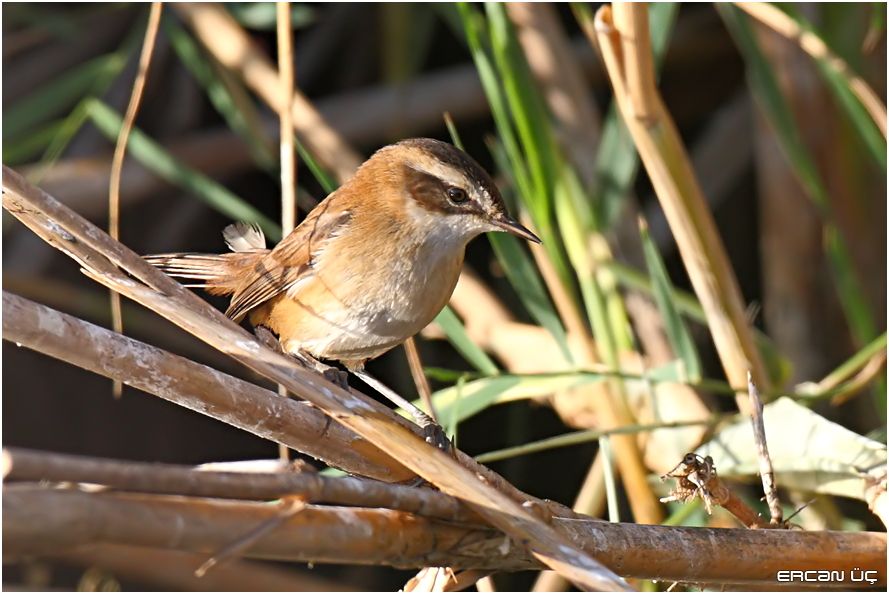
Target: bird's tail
(218,274)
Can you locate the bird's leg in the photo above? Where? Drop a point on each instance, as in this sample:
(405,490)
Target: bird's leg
(330,373)
(432,431)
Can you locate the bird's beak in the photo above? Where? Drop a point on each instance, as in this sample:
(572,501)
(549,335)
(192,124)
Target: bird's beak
(513,227)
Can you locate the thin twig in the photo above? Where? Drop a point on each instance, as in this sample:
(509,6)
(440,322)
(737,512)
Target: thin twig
(288,507)
(416,367)
(762,451)
(288,156)
(154,19)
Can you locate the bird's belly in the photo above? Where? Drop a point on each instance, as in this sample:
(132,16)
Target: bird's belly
(354,317)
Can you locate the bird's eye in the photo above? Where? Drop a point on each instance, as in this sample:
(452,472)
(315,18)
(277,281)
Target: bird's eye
(457,195)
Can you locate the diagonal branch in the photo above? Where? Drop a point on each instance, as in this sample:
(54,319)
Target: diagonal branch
(195,386)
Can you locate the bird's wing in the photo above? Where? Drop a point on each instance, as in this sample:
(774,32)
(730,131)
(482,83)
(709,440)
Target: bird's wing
(291,260)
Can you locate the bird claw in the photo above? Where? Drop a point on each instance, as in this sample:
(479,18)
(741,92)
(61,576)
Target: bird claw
(268,338)
(434,434)
(336,376)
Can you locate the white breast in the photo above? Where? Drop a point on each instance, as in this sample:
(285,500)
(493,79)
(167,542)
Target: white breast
(374,302)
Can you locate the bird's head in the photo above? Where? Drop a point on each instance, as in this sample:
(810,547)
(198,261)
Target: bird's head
(441,186)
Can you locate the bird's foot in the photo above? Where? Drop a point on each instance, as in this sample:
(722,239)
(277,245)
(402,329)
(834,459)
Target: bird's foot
(328,372)
(434,434)
(268,338)
(336,376)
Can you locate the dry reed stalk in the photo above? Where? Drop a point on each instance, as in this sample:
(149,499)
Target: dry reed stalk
(419,376)
(638,67)
(286,135)
(105,261)
(232,47)
(667,164)
(196,387)
(21,464)
(89,305)
(772,17)
(721,155)
(39,520)
(286,140)
(120,150)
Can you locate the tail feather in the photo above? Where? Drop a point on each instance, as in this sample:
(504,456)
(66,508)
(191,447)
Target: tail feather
(220,273)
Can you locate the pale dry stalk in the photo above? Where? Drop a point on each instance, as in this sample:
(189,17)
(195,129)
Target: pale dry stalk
(668,166)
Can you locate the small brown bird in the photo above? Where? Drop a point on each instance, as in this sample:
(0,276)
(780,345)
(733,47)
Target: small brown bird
(370,266)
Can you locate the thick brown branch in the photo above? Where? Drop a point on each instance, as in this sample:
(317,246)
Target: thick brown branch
(37,520)
(42,521)
(140,564)
(31,465)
